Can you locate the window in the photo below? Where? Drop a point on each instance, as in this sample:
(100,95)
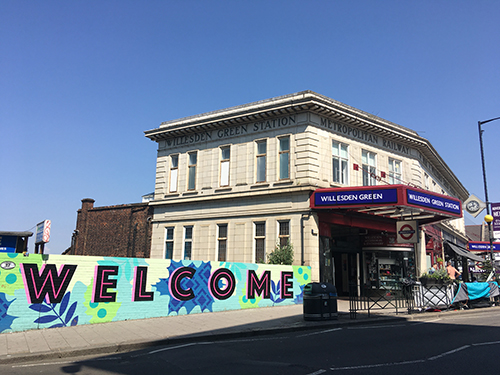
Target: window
(188,242)
(224,166)
(426,181)
(284,158)
(394,171)
(193,156)
(284,232)
(260,242)
(174,169)
(369,169)
(339,161)
(169,243)
(261,161)
(222,243)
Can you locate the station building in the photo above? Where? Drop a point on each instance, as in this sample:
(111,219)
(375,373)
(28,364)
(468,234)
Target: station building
(337,183)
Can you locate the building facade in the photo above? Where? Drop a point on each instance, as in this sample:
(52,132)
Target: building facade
(232,184)
(113,231)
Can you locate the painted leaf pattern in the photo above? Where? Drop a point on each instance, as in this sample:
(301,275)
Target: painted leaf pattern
(56,311)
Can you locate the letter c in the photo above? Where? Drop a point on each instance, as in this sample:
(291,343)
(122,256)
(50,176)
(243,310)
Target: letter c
(175,283)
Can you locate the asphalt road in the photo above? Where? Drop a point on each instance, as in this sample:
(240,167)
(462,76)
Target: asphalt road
(451,343)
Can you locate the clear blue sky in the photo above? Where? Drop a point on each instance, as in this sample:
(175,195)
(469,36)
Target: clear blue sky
(80,81)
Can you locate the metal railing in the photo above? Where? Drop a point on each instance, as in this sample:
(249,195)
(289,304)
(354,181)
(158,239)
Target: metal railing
(431,296)
(407,297)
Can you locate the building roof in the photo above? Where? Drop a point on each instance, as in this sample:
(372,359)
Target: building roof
(16,234)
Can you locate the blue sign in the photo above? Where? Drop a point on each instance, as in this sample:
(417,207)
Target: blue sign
(8,244)
(355,197)
(483,246)
(433,201)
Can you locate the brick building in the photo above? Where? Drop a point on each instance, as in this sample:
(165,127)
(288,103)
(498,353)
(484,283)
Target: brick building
(118,231)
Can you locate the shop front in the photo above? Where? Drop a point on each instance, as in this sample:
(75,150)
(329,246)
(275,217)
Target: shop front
(362,246)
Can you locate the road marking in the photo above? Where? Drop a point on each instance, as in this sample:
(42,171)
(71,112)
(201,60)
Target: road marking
(427,321)
(204,343)
(317,372)
(377,365)
(175,347)
(319,333)
(415,361)
(384,326)
(487,343)
(447,353)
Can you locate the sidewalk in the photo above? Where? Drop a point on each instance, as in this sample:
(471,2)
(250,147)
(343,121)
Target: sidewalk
(107,338)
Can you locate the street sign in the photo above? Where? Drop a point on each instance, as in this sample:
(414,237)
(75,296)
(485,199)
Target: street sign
(474,206)
(406,232)
(495,212)
(43,232)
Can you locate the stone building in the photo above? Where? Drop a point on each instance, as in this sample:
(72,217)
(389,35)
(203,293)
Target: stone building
(231,184)
(115,231)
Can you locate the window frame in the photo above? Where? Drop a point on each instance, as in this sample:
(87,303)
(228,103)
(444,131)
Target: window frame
(259,240)
(222,242)
(259,159)
(187,241)
(283,237)
(343,163)
(169,241)
(395,177)
(174,170)
(191,180)
(282,153)
(369,171)
(225,164)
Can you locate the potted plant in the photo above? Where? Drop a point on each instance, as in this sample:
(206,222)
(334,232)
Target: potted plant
(439,277)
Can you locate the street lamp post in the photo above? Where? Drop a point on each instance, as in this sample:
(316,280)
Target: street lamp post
(488,218)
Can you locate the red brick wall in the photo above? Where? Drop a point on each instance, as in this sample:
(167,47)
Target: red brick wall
(116,231)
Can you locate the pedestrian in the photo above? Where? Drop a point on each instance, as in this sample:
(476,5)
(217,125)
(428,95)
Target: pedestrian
(452,271)
(433,269)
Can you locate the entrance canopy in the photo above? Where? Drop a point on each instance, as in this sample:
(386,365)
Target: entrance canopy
(398,202)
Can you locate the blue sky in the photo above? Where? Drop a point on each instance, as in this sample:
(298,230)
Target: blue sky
(80,81)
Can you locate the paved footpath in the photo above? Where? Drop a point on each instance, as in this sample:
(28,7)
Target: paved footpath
(106,338)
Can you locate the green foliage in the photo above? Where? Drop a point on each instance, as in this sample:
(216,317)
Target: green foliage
(441,274)
(438,275)
(281,254)
(487,268)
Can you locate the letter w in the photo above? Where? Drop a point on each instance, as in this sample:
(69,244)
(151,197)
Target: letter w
(49,284)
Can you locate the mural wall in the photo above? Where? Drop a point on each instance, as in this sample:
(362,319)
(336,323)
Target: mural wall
(47,291)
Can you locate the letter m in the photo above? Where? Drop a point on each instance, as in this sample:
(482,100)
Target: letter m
(49,284)
(261,286)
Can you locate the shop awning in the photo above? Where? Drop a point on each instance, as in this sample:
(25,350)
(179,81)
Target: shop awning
(463,252)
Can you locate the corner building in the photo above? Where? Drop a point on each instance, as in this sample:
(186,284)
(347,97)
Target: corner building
(231,184)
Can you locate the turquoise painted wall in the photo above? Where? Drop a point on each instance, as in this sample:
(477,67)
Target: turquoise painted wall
(46,291)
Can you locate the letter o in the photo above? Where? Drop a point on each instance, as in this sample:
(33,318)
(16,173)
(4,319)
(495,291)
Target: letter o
(217,276)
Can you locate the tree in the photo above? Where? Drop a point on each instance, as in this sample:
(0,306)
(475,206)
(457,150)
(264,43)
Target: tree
(487,269)
(282,254)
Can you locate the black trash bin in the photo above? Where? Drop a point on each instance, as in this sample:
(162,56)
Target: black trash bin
(320,301)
